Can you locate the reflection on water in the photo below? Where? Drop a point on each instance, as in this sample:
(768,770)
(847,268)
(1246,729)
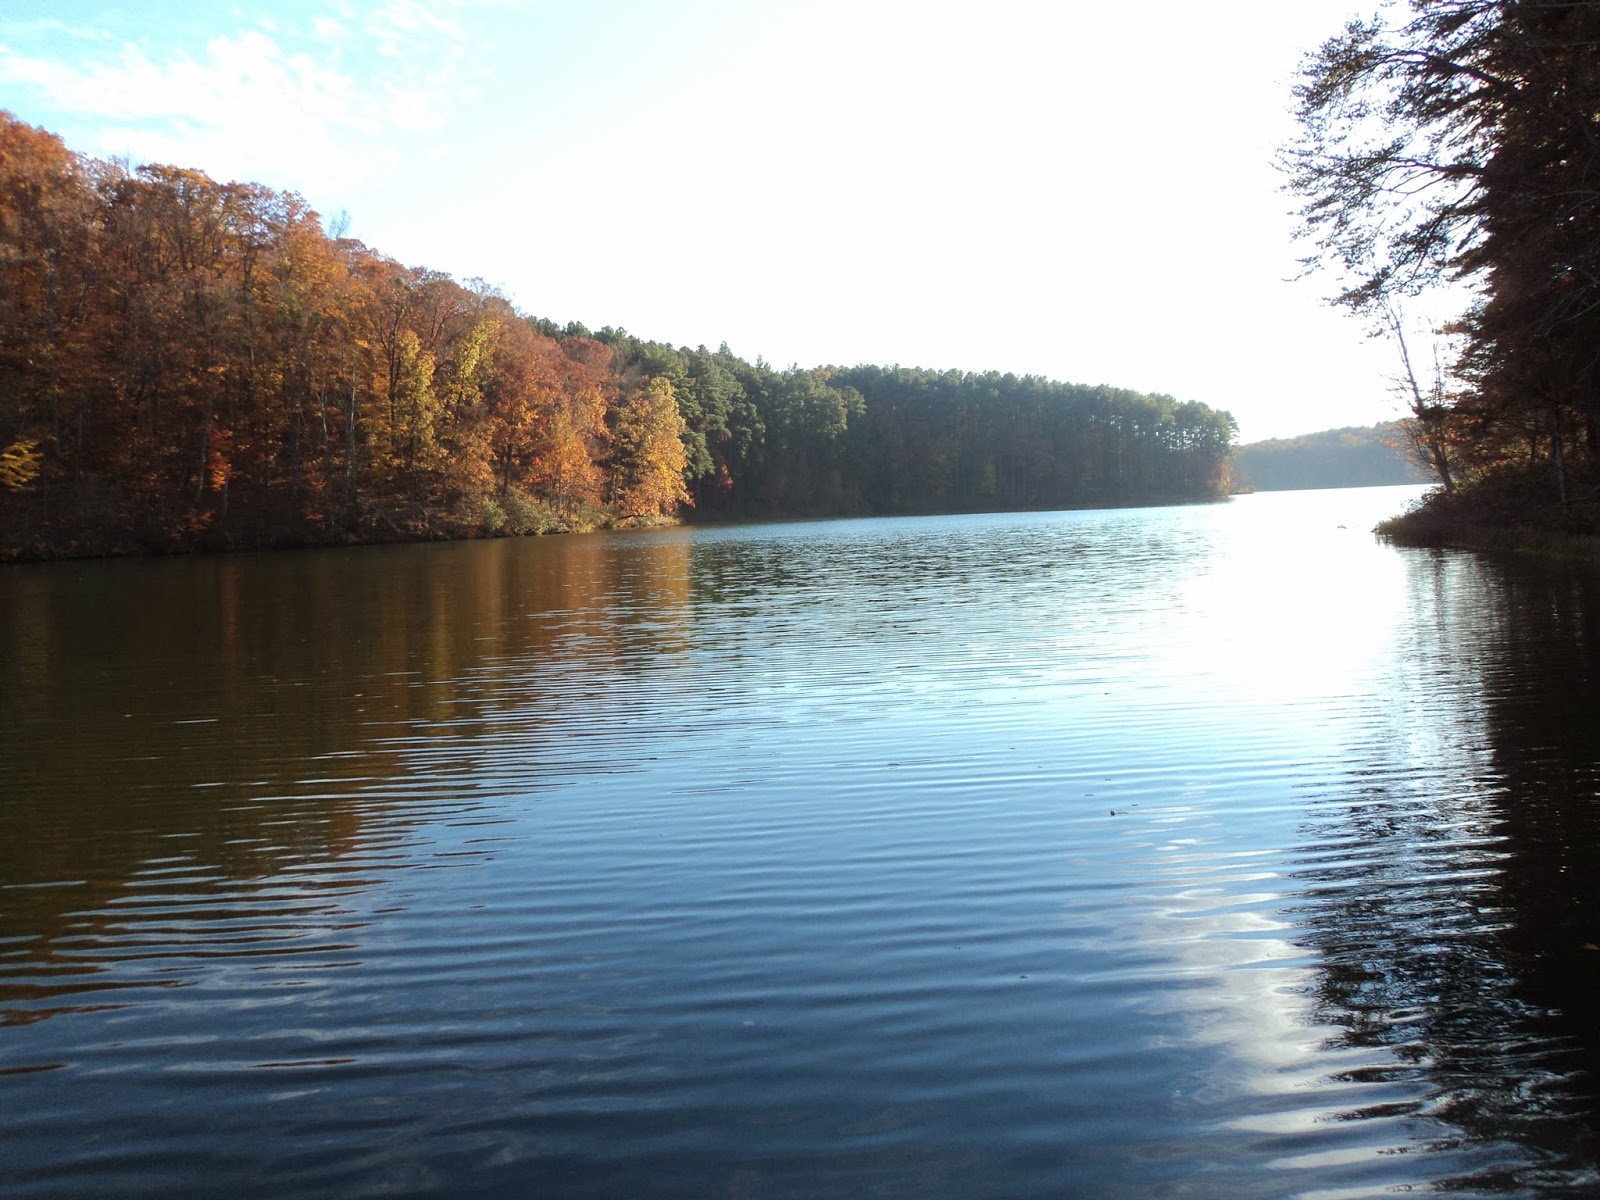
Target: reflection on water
(1204,851)
(217,725)
(1454,904)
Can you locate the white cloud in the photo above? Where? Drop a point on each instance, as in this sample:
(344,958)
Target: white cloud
(299,111)
(404,27)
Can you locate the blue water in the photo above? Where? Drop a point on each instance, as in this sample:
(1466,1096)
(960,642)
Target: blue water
(1205,851)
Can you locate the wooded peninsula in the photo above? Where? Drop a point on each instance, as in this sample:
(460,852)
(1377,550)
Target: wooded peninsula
(187,364)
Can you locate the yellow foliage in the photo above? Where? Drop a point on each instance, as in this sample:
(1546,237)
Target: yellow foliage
(651,458)
(20,464)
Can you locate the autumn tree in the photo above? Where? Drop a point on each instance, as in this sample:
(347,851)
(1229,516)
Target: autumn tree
(649,459)
(577,439)
(186,363)
(49,269)
(519,392)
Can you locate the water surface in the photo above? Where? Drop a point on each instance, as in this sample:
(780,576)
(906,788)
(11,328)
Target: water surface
(1182,852)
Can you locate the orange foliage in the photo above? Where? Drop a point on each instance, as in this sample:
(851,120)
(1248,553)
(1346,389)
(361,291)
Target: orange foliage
(186,361)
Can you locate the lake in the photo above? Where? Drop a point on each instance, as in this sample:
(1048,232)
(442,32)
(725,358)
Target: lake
(1185,852)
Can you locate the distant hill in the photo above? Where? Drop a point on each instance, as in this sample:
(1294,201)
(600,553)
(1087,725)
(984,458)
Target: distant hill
(1356,456)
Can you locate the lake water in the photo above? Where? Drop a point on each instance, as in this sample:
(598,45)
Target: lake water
(1188,852)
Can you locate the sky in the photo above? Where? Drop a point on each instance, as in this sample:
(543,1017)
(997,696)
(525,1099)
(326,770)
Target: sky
(1080,190)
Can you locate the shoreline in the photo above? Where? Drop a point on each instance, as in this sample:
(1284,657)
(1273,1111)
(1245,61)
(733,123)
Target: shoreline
(1501,539)
(389,533)
(1465,521)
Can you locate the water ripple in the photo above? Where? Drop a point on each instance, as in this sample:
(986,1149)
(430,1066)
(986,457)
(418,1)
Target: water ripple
(1016,856)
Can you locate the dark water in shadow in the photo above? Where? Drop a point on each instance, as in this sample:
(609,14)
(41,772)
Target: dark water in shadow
(1183,852)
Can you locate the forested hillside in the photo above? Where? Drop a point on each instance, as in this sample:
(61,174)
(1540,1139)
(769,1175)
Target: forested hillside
(1355,456)
(189,364)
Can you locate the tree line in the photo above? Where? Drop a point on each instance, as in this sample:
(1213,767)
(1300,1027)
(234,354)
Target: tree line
(191,364)
(1353,456)
(1456,142)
